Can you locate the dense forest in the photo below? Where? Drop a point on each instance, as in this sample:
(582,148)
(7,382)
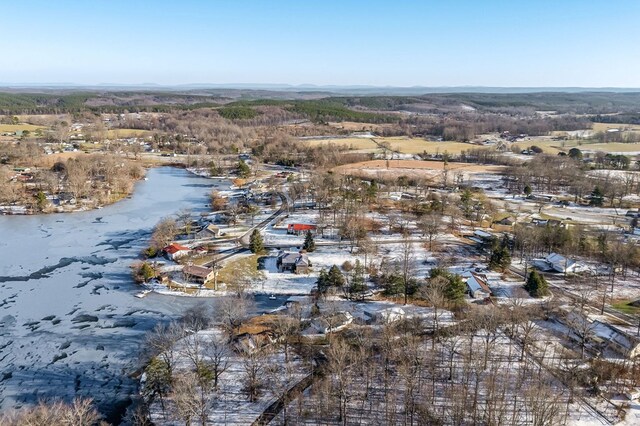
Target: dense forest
(318,105)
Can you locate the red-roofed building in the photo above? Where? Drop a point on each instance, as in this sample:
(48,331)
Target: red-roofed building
(299,228)
(175,250)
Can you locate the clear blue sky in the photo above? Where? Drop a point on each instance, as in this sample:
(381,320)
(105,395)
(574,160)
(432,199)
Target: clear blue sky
(588,43)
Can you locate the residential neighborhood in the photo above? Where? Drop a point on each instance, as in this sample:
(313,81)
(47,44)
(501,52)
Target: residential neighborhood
(320,213)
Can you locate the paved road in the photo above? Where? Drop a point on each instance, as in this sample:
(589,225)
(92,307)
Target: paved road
(244,240)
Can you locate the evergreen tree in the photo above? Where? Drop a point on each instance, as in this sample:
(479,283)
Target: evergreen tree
(323,281)
(244,171)
(527,190)
(455,289)
(372,190)
(41,201)
(147,272)
(597,197)
(392,283)
(575,153)
(309,244)
(358,284)
(214,170)
(256,244)
(536,285)
(466,201)
(158,380)
(335,277)
(500,259)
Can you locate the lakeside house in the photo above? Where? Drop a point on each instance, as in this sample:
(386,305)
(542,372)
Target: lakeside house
(209,231)
(298,263)
(198,274)
(300,228)
(175,251)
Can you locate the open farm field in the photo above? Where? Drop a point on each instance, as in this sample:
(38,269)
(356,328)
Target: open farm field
(352,143)
(414,168)
(18,127)
(603,127)
(407,145)
(550,146)
(127,133)
(404,145)
(612,147)
(353,126)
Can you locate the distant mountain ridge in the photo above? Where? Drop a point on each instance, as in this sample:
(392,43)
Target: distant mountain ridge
(329,89)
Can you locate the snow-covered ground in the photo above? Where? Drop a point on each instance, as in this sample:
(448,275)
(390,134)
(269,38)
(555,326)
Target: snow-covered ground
(229,404)
(324,257)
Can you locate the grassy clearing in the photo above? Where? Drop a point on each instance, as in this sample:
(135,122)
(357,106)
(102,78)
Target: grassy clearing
(242,267)
(407,145)
(552,147)
(612,147)
(9,128)
(351,143)
(404,145)
(127,133)
(393,169)
(354,126)
(624,307)
(603,127)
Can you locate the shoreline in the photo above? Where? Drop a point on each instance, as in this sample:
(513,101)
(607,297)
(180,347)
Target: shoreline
(22,210)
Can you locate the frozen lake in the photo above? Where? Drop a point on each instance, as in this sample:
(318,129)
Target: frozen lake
(69,322)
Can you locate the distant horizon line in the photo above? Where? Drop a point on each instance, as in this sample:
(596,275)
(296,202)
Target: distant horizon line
(320,87)
(373,86)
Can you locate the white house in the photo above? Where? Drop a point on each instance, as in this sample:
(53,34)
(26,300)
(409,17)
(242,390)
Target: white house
(616,339)
(559,263)
(331,323)
(388,315)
